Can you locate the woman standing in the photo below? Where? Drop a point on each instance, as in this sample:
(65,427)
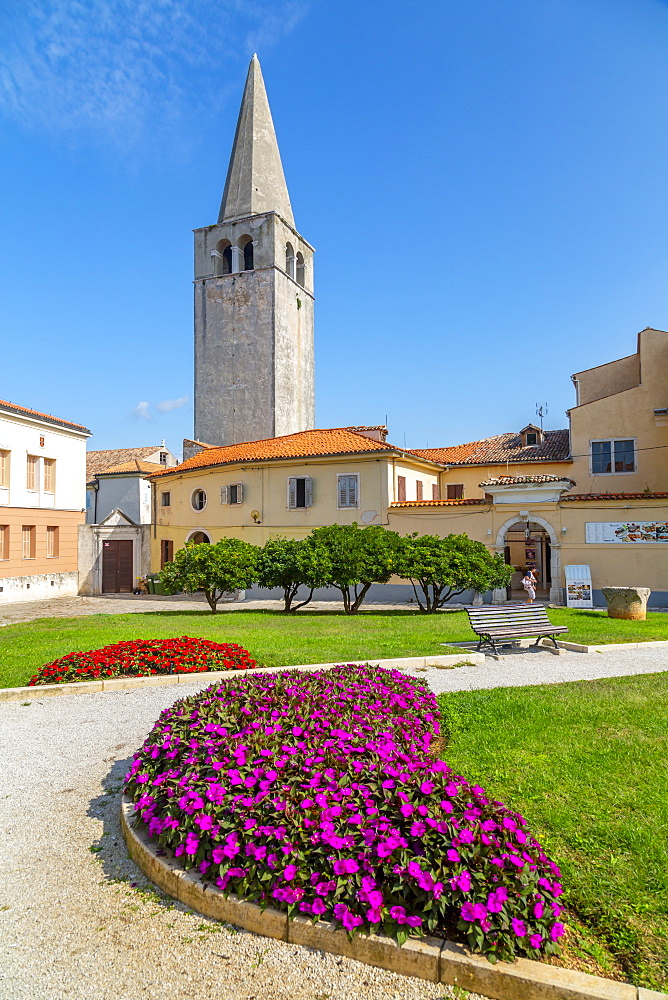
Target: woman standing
(529,584)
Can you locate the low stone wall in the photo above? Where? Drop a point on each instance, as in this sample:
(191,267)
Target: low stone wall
(14,589)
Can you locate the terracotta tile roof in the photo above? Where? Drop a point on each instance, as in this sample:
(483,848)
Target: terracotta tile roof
(501,449)
(438,503)
(101,461)
(303,444)
(520,480)
(136,465)
(615,496)
(15,408)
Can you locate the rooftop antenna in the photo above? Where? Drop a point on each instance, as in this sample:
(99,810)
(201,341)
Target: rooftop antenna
(541,411)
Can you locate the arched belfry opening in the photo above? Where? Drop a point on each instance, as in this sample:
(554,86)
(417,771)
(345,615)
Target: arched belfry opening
(223,258)
(290,259)
(300,269)
(246,246)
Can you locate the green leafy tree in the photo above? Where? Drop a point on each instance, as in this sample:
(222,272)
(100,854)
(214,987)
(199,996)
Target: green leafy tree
(441,568)
(357,558)
(229,565)
(290,563)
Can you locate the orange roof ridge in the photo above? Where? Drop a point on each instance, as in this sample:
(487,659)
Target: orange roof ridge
(4,403)
(318,442)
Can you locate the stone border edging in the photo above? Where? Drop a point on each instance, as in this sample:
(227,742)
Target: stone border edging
(125,683)
(435,959)
(577,647)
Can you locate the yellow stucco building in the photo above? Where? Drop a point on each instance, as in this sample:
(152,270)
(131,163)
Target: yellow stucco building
(594,494)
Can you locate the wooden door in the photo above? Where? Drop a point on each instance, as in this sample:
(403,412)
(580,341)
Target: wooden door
(117,565)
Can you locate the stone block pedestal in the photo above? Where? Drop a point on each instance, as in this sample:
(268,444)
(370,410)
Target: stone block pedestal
(627,602)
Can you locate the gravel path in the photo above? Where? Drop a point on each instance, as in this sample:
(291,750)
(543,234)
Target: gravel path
(77,918)
(123,604)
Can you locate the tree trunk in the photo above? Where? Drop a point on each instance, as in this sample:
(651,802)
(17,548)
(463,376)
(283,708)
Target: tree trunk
(359,597)
(212,599)
(298,606)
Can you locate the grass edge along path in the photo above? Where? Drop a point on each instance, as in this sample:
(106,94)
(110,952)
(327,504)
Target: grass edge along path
(276,639)
(585,763)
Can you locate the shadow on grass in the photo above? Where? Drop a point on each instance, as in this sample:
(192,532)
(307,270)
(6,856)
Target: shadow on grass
(271,613)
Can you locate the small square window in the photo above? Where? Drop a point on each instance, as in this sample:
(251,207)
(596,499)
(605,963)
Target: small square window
(455,491)
(532,438)
(613,456)
(165,499)
(163,458)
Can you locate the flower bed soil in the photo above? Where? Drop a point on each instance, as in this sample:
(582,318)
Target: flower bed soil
(319,794)
(144,658)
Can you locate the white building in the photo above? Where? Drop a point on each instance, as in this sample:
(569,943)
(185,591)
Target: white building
(42,503)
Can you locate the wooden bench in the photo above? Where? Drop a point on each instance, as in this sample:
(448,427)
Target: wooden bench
(495,623)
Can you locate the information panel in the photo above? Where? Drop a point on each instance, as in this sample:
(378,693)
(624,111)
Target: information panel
(626,531)
(578,587)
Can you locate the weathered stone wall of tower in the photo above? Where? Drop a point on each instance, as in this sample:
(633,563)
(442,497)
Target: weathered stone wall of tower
(253,334)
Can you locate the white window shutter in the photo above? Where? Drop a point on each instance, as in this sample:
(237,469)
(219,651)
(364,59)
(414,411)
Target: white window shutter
(352,491)
(224,494)
(240,493)
(292,492)
(343,492)
(308,491)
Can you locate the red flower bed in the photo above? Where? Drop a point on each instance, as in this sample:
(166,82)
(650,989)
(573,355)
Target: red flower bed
(144,657)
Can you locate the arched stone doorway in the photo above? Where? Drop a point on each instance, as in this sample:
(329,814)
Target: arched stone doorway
(531,540)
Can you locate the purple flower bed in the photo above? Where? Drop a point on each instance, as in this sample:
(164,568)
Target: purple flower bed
(318,793)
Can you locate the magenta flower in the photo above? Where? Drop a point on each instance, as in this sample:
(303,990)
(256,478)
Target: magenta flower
(290,872)
(557,930)
(519,927)
(536,940)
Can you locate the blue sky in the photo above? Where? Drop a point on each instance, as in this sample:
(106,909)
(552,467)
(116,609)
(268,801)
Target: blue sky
(484,181)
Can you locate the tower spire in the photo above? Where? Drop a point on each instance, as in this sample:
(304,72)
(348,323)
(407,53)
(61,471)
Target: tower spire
(255,181)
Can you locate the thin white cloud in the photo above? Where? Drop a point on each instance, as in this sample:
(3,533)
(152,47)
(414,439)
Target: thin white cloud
(167,405)
(142,411)
(120,67)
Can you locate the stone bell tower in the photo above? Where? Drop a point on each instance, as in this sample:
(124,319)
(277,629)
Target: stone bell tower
(253,295)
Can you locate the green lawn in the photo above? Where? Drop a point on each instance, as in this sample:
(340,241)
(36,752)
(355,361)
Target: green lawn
(277,639)
(587,765)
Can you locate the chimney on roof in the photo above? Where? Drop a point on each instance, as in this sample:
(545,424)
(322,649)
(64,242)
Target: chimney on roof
(377,432)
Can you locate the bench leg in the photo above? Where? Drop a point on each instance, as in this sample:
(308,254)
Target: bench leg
(541,637)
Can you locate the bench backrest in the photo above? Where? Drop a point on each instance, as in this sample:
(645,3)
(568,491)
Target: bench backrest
(510,615)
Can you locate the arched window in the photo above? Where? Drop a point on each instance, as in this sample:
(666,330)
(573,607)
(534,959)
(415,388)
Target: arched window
(223,258)
(246,244)
(300,269)
(290,259)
